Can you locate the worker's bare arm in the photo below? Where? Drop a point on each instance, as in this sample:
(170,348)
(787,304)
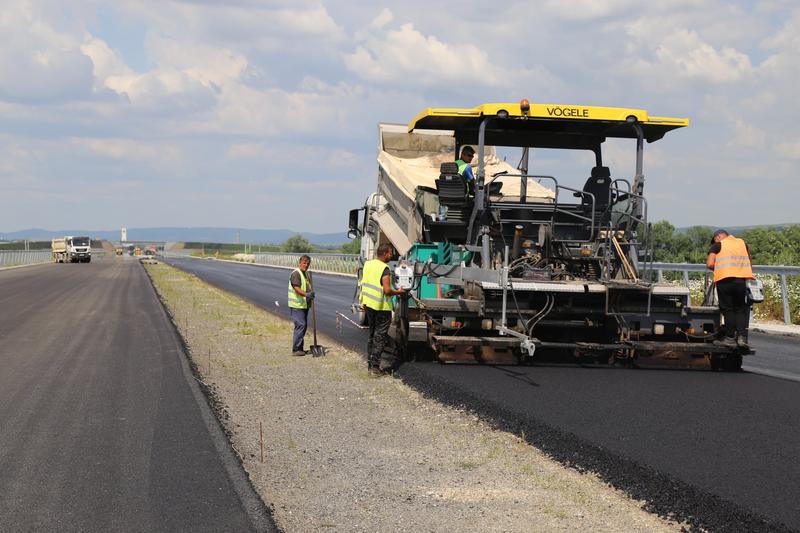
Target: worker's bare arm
(386,282)
(299,291)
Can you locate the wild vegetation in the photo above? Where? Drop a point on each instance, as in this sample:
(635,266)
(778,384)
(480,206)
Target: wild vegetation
(768,246)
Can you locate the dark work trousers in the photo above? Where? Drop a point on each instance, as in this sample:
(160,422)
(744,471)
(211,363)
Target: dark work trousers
(732,293)
(300,319)
(378,338)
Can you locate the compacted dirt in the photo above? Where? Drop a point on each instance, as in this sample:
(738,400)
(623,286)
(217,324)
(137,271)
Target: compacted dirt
(346,452)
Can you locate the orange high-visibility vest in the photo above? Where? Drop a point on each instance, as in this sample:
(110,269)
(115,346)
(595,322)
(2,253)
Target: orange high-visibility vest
(732,261)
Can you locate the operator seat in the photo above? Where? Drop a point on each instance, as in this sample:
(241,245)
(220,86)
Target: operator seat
(453,193)
(598,184)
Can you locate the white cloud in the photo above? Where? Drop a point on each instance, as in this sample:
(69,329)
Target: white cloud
(788,37)
(784,46)
(684,54)
(313,21)
(468,59)
(407,56)
(244,92)
(245,25)
(209,65)
(747,135)
(38,63)
(293,156)
(244,150)
(106,62)
(789,149)
(130,150)
(383,18)
(244,110)
(342,159)
(190,72)
(585,10)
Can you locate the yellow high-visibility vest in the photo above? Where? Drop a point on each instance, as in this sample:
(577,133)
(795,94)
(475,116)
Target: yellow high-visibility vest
(295,300)
(732,261)
(372,294)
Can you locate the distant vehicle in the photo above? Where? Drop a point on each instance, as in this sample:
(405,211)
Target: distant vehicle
(72,249)
(149,258)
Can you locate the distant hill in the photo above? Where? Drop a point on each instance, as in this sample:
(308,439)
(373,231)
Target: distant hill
(221,235)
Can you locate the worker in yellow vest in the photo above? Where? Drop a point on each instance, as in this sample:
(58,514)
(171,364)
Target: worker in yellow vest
(464,168)
(300,295)
(729,258)
(376,293)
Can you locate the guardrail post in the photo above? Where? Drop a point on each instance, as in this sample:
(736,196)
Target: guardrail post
(686,278)
(787,319)
(660,275)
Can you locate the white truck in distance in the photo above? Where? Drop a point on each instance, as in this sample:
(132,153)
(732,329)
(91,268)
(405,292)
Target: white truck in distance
(72,249)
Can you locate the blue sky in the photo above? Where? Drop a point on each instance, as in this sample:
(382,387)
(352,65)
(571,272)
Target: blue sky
(264,114)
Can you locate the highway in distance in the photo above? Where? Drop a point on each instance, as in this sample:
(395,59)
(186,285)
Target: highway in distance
(102,427)
(718,449)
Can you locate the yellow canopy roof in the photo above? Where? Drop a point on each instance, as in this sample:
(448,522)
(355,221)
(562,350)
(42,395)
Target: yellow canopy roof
(544,124)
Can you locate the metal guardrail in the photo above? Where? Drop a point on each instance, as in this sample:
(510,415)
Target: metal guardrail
(339,263)
(770,270)
(335,263)
(24,257)
(31,257)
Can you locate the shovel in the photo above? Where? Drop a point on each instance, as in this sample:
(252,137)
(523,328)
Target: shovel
(316,349)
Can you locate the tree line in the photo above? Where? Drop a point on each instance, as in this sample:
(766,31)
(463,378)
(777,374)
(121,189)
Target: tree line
(768,245)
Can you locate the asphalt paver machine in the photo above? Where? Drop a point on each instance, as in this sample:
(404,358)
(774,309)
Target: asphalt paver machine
(519,266)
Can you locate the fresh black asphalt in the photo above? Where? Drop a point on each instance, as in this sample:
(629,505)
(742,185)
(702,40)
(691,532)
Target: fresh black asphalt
(777,355)
(102,427)
(716,449)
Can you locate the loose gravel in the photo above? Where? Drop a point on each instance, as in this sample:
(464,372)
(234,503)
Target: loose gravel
(346,452)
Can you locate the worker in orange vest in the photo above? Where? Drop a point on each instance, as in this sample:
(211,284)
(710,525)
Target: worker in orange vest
(729,258)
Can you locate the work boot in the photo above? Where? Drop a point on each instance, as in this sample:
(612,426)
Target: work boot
(298,353)
(727,342)
(741,342)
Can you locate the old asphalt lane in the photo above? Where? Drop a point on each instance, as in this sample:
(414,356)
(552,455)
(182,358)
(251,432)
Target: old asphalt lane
(102,427)
(717,449)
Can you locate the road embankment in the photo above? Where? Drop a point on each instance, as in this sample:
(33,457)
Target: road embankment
(344,451)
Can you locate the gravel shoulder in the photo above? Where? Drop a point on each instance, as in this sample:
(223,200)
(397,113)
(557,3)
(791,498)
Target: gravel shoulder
(346,452)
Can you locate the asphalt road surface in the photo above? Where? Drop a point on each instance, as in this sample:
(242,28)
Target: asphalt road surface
(102,427)
(718,449)
(776,355)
